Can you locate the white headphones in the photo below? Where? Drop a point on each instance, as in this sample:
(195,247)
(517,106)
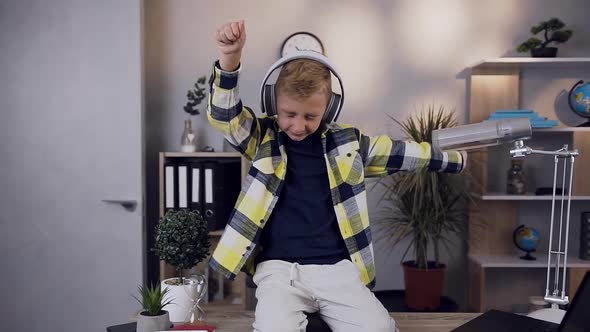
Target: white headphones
(268,93)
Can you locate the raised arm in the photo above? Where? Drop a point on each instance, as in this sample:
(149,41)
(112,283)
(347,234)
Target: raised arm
(225,110)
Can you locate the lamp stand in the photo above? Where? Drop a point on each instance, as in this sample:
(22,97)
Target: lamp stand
(557,296)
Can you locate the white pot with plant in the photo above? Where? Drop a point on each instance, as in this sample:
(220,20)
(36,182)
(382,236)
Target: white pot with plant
(182,241)
(152,317)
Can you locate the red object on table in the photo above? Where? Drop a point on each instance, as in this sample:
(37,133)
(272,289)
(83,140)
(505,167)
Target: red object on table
(189,327)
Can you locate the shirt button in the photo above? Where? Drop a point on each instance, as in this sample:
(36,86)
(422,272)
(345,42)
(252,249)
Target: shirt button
(248,248)
(349,154)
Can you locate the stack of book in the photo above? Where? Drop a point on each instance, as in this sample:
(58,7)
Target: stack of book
(536,120)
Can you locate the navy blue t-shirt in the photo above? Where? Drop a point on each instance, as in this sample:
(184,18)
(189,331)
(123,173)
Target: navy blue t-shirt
(302,227)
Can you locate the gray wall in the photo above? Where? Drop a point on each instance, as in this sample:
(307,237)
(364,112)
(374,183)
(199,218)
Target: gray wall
(70,136)
(394,56)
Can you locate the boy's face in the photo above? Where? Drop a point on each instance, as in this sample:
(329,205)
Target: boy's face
(300,117)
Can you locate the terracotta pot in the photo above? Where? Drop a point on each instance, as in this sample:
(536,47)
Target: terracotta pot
(423,287)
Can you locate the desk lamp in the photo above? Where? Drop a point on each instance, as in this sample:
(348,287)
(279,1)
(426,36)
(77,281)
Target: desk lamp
(515,131)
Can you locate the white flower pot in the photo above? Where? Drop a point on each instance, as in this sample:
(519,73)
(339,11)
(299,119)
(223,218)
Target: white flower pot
(181,302)
(153,323)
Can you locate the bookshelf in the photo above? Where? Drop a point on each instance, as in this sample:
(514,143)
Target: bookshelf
(237,295)
(497,277)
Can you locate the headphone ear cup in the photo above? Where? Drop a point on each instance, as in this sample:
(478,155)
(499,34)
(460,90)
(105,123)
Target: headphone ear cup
(332,113)
(268,100)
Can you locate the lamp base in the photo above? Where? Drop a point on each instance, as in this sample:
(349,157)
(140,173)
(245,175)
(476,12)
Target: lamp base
(552,315)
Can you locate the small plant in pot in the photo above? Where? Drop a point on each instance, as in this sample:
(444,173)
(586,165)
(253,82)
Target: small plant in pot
(182,241)
(427,208)
(194,98)
(552,33)
(153,317)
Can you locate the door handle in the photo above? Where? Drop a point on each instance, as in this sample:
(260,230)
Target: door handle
(127,204)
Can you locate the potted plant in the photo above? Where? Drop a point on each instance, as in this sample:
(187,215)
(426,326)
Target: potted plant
(551,33)
(194,98)
(153,317)
(428,206)
(182,241)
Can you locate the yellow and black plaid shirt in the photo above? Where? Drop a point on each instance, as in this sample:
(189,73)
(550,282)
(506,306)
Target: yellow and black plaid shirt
(350,157)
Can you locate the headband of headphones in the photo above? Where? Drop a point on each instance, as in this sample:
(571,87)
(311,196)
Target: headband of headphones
(268,93)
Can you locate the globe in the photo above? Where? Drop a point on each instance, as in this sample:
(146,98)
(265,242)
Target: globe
(526,239)
(579,100)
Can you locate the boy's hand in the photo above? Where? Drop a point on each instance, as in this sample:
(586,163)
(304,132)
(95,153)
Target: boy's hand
(231,38)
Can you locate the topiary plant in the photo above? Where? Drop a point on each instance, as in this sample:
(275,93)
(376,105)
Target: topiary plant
(182,240)
(537,47)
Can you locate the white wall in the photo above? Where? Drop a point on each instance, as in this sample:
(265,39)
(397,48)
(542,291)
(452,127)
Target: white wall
(394,56)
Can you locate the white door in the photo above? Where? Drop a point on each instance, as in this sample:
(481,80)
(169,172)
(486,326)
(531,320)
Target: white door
(70,137)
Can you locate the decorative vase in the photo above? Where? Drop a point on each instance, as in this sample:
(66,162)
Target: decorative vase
(516,182)
(544,52)
(188,139)
(153,323)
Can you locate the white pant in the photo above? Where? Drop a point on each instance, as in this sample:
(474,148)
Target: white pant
(287,291)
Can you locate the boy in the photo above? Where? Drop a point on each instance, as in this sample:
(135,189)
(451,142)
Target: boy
(300,224)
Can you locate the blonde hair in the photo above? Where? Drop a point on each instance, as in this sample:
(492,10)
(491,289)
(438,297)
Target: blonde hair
(301,78)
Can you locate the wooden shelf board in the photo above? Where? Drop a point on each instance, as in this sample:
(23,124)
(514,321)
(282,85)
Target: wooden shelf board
(528,62)
(202,154)
(530,197)
(514,261)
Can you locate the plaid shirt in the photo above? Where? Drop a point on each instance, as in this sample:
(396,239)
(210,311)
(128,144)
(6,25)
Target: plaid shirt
(350,157)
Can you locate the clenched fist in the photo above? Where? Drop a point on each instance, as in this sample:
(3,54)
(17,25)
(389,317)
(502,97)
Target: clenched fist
(230,39)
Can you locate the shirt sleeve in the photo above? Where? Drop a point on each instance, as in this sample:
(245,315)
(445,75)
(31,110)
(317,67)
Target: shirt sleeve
(226,112)
(383,156)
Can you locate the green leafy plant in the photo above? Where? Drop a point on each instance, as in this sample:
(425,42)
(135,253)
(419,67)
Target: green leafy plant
(182,239)
(428,206)
(552,33)
(153,299)
(195,96)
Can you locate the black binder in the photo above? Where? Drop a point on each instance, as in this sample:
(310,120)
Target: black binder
(221,182)
(195,187)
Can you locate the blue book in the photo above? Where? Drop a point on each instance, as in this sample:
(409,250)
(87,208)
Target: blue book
(515,115)
(515,111)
